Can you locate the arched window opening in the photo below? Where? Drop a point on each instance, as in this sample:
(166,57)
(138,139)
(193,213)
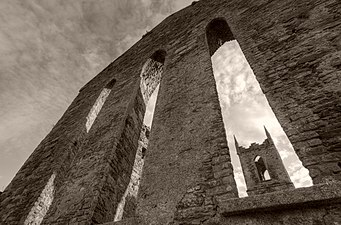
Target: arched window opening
(149,86)
(218,32)
(96,108)
(143,152)
(337,171)
(151,74)
(244,106)
(267,175)
(110,84)
(262,171)
(43,203)
(159,56)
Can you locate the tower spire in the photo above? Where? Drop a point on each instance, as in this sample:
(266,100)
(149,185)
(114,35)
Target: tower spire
(236,144)
(235,141)
(267,134)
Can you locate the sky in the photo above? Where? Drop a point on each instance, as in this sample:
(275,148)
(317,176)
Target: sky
(50,48)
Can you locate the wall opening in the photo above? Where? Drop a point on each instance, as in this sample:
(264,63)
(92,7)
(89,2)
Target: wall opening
(96,108)
(151,74)
(245,108)
(149,86)
(335,172)
(43,203)
(218,32)
(262,170)
(267,175)
(143,152)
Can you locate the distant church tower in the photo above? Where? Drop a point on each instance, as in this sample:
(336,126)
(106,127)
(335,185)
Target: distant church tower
(263,168)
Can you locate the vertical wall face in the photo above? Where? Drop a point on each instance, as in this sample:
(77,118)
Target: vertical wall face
(53,156)
(188,164)
(42,205)
(93,166)
(127,206)
(280,41)
(101,170)
(292,46)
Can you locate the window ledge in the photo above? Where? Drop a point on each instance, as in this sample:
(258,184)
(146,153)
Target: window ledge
(317,195)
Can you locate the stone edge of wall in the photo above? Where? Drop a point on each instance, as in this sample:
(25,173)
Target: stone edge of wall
(314,196)
(129,221)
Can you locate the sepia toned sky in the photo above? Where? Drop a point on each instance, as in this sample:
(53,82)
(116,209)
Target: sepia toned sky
(50,48)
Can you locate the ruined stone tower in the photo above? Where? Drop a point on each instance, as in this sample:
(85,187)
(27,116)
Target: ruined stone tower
(81,171)
(263,168)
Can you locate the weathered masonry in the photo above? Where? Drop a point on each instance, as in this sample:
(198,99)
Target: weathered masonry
(80,173)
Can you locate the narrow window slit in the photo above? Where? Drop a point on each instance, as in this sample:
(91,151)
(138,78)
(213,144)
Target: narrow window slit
(42,205)
(244,107)
(96,108)
(149,86)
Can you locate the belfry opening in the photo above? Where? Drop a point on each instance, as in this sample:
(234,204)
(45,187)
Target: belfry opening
(263,172)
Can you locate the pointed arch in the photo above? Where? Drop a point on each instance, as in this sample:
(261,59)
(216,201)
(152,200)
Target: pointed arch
(218,32)
(96,108)
(151,73)
(150,80)
(262,170)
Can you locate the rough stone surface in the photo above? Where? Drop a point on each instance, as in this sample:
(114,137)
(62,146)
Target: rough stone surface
(130,221)
(90,119)
(127,206)
(42,205)
(294,49)
(319,204)
(318,195)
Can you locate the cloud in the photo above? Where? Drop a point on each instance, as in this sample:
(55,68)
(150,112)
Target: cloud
(299,175)
(49,50)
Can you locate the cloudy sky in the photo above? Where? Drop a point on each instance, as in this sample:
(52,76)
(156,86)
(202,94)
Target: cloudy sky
(50,48)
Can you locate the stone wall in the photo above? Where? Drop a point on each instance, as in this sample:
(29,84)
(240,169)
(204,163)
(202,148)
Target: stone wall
(320,204)
(42,205)
(316,205)
(294,49)
(128,203)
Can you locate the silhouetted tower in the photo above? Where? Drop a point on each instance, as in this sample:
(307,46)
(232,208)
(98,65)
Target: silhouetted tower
(263,168)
